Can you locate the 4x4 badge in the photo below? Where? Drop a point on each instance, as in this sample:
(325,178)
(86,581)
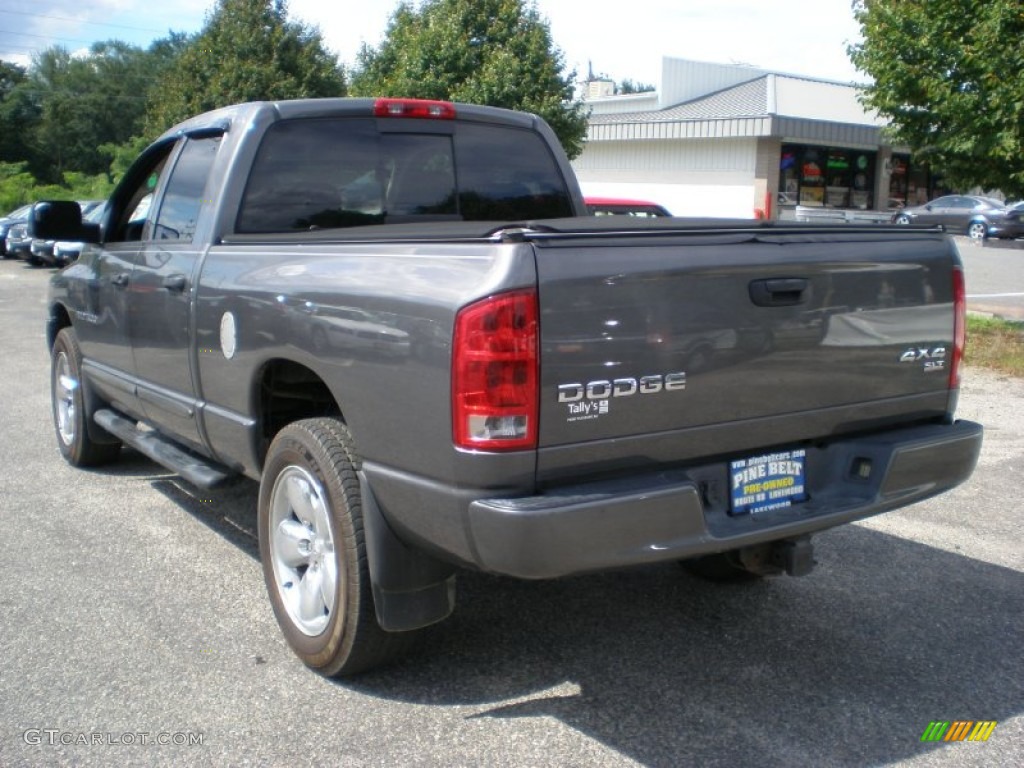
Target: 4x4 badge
(932,358)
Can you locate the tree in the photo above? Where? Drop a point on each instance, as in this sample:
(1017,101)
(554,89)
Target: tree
(628,86)
(495,52)
(247,51)
(949,74)
(18,113)
(63,120)
(87,101)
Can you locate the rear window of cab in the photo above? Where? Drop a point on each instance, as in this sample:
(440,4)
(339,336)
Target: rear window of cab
(322,173)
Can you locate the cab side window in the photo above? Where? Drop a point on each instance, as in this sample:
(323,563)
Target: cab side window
(184,198)
(133,200)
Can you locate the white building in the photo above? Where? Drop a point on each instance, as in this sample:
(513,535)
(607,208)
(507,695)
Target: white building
(722,140)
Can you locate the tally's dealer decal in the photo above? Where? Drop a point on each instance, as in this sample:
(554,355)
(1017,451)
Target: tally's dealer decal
(958,730)
(764,483)
(591,409)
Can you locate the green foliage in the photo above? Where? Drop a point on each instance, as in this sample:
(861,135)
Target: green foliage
(18,186)
(950,76)
(628,86)
(495,52)
(123,155)
(247,51)
(89,101)
(57,115)
(17,113)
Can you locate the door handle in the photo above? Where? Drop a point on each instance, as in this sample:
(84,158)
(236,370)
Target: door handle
(175,283)
(780,291)
(120,279)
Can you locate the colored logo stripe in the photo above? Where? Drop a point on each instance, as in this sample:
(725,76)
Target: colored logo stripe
(982,731)
(958,730)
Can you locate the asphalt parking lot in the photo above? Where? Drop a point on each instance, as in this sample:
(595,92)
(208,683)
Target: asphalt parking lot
(134,630)
(995,276)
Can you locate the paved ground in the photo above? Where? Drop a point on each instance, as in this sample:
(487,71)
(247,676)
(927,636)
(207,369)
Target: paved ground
(995,276)
(132,606)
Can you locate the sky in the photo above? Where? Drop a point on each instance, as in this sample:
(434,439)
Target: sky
(620,39)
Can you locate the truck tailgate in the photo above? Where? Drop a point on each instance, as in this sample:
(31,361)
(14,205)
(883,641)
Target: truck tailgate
(676,346)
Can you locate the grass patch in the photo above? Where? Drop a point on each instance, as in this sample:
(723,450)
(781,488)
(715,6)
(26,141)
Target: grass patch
(995,344)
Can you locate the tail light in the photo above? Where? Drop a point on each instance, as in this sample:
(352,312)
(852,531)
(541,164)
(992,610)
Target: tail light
(495,373)
(959,326)
(421,108)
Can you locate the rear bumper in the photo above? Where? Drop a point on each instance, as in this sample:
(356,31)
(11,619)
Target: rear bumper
(682,514)
(1007,230)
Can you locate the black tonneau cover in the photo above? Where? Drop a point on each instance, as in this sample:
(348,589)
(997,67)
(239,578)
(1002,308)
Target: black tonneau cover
(425,230)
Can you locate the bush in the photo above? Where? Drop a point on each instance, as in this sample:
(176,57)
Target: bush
(18,187)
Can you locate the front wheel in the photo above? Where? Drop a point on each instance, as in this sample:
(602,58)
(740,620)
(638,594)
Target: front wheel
(68,402)
(314,555)
(977,230)
(903,219)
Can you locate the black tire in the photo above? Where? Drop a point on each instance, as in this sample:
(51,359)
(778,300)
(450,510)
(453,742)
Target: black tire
(902,219)
(69,408)
(311,534)
(721,567)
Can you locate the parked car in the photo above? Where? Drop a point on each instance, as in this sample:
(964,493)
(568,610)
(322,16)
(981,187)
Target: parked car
(976,216)
(611,206)
(18,242)
(8,221)
(67,251)
(43,251)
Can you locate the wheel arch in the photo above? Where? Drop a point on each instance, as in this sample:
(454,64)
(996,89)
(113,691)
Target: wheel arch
(410,588)
(286,391)
(58,320)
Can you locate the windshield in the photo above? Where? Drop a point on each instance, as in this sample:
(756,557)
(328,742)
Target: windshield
(19,213)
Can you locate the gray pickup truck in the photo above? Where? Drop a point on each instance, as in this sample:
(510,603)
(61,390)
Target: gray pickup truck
(394,315)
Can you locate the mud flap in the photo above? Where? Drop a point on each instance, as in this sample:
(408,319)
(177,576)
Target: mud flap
(410,589)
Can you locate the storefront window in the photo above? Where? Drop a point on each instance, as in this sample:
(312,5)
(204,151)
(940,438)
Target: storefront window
(789,177)
(912,183)
(829,177)
(863,181)
(812,178)
(837,194)
(899,167)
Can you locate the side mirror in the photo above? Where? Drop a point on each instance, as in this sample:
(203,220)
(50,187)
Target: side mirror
(928,207)
(61,220)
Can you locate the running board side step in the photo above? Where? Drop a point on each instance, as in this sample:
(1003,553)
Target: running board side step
(197,470)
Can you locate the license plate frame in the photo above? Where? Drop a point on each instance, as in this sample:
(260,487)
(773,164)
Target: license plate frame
(767,482)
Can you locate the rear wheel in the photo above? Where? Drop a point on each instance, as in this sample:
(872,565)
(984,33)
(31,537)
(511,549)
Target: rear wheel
(314,554)
(68,402)
(977,230)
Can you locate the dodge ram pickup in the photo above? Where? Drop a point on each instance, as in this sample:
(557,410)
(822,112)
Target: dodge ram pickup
(396,316)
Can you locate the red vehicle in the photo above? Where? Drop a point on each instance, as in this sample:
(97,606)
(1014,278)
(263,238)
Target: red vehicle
(612,206)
